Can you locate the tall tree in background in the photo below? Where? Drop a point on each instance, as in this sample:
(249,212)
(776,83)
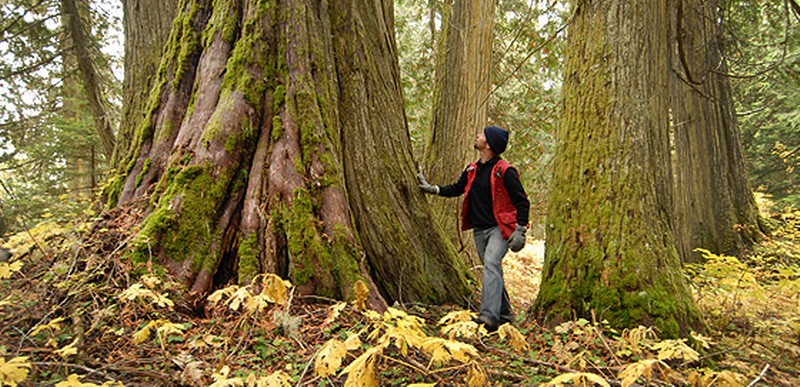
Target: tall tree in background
(269,146)
(81,94)
(713,206)
(461,94)
(610,249)
(47,123)
(761,45)
(80,45)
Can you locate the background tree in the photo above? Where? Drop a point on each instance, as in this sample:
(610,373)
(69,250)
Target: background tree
(80,43)
(525,83)
(267,145)
(713,202)
(761,46)
(45,122)
(610,249)
(527,63)
(460,103)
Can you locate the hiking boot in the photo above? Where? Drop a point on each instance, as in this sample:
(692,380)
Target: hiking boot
(487,323)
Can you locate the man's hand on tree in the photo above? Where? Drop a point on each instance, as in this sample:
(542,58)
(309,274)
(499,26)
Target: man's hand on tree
(425,187)
(517,240)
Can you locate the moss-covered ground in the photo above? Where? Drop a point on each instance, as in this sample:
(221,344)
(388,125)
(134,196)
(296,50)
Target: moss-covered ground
(70,306)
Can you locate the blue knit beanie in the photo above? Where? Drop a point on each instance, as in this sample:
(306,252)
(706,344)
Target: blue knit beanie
(497,138)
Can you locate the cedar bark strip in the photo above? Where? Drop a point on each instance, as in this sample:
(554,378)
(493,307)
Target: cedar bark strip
(610,249)
(269,146)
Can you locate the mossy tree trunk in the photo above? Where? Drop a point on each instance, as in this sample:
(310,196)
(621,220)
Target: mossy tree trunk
(147,25)
(269,146)
(460,105)
(714,207)
(610,249)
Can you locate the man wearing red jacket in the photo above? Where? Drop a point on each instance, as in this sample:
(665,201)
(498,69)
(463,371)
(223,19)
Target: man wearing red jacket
(496,207)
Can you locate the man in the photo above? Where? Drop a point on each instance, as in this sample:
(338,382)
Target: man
(496,207)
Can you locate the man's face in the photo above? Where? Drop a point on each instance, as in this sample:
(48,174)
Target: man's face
(480,141)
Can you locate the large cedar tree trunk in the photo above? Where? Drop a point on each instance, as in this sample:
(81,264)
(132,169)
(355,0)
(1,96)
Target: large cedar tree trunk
(714,207)
(610,249)
(270,146)
(460,105)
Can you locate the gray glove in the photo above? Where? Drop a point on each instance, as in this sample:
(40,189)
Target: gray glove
(517,240)
(425,187)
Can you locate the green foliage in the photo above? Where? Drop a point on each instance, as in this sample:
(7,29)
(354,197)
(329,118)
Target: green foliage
(416,51)
(761,45)
(50,160)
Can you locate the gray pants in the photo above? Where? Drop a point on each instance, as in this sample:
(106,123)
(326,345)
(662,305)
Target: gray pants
(492,248)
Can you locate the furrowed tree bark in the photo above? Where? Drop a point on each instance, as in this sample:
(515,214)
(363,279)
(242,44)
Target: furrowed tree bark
(147,25)
(81,41)
(713,204)
(460,105)
(267,146)
(610,249)
(410,256)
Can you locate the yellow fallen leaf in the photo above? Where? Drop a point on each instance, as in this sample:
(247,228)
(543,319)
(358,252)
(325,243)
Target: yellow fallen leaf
(515,338)
(329,358)
(477,376)
(578,379)
(362,292)
(353,342)
(361,372)
(14,370)
(74,381)
(54,325)
(333,312)
(457,317)
(276,379)
(143,334)
(276,289)
(68,350)
(7,270)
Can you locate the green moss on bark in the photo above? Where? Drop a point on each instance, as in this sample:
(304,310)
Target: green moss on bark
(182,45)
(145,169)
(330,262)
(183,224)
(224,19)
(249,259)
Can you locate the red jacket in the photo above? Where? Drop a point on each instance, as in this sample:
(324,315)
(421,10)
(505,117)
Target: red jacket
(504,212)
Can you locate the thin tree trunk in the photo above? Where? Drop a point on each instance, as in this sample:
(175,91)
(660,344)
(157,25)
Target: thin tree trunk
(81,41)
(610,250)
(74,108)
(713,205)
(268,146)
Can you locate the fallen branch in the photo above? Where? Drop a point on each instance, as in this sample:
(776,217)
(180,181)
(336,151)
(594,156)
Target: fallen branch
(88,370)
(761,375)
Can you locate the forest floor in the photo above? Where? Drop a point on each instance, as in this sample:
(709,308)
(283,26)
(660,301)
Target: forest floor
(73,312)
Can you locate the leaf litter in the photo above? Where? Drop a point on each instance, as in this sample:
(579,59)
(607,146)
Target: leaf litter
(74,312)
